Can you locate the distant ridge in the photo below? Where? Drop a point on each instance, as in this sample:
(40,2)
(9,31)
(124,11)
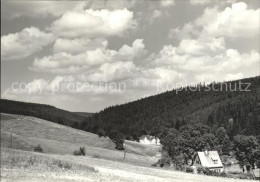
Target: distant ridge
(155,114)
(87,114)
(42,111)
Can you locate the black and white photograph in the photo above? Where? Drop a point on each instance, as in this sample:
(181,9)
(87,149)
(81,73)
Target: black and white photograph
(130,91)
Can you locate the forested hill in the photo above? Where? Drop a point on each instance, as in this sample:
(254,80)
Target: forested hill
(42,111)
(235,110)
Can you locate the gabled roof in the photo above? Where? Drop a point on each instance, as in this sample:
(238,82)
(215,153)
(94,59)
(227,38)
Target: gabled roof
(207,159)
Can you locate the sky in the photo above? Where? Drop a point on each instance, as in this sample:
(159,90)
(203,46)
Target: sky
(88,55)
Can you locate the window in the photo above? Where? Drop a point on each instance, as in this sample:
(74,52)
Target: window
(215,161)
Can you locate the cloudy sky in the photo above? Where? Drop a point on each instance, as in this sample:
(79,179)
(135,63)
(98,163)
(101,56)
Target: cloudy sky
(88,55)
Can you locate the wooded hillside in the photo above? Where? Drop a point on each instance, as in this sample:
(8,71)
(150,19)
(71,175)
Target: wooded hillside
(42,111)
(237,111)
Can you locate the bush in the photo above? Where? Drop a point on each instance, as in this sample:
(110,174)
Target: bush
(38,148)
(213,173)
(101,133)
(31,161)
(235,172)
(200,169)
(154,165)
(96,156)
(120,145)
(62,164)
(208,172)
(223,174)
(189,169)
(81,151)
(117,138)
(241,175)
(180,168)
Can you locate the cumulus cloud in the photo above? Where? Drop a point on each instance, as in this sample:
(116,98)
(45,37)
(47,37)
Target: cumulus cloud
(167,3)
(202,51)
(110,4)
(37,9)
(236,76)
(205,2)
(200,2)
(156,14)
(235,21)
(130,52)
(78,45)
(25,43)
(68,63)
(111,72)
(94,23)
(216,67)
(59,85)
(43,9)
(201,46)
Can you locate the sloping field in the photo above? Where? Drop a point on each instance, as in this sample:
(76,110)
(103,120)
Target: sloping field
(31,127)
(27,166)
(142,149)
(28,132)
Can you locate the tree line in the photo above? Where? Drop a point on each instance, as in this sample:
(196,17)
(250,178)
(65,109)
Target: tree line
(236,111)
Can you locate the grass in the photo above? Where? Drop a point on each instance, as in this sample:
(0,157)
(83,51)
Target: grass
(101,163)
(142,149)
(38,128)
(18,165)
(17,159)
(6,117)
(28,132)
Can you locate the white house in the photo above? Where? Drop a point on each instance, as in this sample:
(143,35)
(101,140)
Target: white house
(147,139)
(211,160)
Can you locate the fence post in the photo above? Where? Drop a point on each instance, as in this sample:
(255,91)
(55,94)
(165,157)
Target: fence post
(124,151)
(11,138)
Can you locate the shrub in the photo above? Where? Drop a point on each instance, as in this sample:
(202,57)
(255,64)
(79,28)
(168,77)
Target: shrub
(235,172)
(96,156)
(76,152)
(117,138)
(213,173)
(241,175)
(38,148)
(62,165)
(154,165)
(189,169)
(206,171)
(101,133)
(120,145)
(67,165)
(200,169)
(31,161)
(223,174)
(81,151)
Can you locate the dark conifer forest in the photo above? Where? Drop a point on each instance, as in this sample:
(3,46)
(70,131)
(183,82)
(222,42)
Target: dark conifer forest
(42,111)
(237,110)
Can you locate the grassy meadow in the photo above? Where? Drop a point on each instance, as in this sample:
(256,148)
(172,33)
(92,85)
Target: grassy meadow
(28,132)
(18,165)
(102,162)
